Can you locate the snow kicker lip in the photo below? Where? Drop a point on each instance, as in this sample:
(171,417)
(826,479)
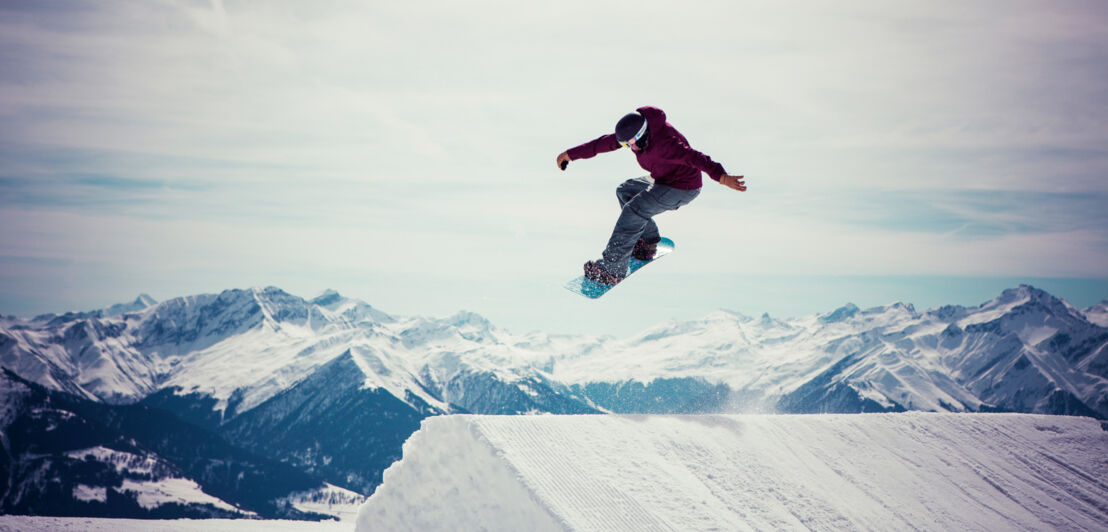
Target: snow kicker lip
(736,472)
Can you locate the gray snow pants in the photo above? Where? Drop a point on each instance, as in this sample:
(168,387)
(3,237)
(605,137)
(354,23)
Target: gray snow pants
(641,200)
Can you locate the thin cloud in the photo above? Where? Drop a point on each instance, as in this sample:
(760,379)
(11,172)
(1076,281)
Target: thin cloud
(377,139)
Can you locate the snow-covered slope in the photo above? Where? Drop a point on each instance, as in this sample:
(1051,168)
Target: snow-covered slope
(1025,351)
(1098,313)
(747,472)
(65,455)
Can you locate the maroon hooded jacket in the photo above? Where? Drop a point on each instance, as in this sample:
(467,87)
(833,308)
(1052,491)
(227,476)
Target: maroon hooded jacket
(667,156)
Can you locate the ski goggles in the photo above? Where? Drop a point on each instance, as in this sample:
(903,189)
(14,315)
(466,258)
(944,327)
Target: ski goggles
(630,143)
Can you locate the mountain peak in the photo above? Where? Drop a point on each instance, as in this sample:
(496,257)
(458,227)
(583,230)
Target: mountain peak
(895,307)
(142,302)
(1028,296)
(1098,313)
(840,314)
(769,322)
(327,298)
(1023,291)
(1026,293)
(465,317)
(272,292)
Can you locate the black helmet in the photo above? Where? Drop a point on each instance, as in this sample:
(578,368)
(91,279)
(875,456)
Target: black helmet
(632,128)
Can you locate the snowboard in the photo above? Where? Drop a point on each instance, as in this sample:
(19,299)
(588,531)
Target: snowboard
(593,289)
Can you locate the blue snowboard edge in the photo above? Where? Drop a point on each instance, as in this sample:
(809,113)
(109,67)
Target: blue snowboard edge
(593,289)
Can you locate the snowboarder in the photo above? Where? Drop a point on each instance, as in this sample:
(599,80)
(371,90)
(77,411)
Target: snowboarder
(674,181)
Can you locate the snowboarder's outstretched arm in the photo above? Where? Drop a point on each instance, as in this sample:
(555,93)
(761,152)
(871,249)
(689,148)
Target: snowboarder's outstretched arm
(589,149)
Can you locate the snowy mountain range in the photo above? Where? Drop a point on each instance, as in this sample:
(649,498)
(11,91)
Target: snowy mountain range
(321,393)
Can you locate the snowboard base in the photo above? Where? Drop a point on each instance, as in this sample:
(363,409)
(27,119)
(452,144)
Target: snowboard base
(592,289)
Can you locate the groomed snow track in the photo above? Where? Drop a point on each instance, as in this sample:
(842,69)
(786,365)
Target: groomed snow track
(747,472)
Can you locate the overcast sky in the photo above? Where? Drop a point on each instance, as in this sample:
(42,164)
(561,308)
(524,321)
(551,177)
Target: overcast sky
(403,153)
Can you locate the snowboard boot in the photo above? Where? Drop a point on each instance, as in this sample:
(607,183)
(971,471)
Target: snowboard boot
(595,272)
(644,251)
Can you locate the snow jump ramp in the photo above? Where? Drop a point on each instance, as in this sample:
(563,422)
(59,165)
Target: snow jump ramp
(747,472)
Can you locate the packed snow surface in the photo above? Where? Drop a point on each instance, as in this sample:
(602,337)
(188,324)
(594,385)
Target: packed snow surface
(747,472)
(26,523)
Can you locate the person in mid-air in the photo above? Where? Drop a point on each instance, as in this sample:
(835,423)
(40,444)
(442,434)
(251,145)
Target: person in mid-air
(674,181)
